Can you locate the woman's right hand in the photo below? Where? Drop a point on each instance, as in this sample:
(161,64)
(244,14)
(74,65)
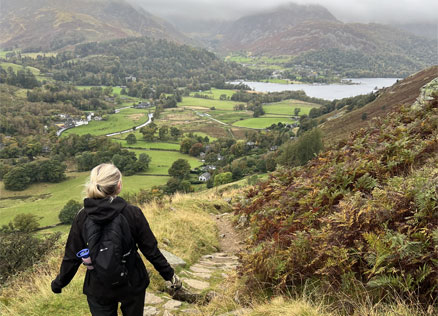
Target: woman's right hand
(176,283)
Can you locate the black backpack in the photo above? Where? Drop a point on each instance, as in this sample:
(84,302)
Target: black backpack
(111,250)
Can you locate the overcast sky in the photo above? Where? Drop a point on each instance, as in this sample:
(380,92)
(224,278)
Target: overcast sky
(382,11)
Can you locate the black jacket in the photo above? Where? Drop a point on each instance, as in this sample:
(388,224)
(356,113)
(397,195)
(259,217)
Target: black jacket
(101,210)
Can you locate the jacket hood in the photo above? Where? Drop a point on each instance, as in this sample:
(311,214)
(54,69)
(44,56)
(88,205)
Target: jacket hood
(103,210)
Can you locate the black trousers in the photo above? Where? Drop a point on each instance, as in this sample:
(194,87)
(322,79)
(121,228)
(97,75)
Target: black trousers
(130,306)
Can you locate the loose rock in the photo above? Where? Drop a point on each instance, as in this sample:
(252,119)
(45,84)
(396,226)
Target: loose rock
(196,284)
(172,304)
(150,311)
(152,299)
(173,260)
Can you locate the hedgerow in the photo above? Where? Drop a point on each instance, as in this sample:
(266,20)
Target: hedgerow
(363,214)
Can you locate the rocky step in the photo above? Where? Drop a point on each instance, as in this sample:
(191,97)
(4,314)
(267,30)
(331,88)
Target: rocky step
(196,280)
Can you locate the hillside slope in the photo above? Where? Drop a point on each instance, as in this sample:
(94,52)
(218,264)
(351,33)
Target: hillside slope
(243,33)
(359,219)
(340,124)
(320,42)
(54,24)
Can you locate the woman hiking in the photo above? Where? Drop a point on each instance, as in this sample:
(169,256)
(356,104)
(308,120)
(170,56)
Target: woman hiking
(111,230)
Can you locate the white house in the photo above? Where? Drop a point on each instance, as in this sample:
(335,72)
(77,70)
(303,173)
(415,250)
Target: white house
(205,177)
(130,78)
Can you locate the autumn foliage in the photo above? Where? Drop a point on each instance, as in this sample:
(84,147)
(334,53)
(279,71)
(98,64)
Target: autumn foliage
(364,214)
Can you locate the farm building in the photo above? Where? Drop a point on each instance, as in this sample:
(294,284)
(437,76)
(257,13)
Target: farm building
(205,177)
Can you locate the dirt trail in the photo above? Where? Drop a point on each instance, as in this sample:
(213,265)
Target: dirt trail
(231,241)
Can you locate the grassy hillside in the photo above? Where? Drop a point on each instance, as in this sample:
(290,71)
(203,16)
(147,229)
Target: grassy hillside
(357,221)
(185,223)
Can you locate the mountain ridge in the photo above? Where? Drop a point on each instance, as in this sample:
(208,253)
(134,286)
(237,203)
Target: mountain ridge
(55,24)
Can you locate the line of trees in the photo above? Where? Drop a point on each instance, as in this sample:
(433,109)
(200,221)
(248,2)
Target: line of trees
(20,177)
(23,78)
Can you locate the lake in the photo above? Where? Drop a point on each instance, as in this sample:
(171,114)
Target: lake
(325,91)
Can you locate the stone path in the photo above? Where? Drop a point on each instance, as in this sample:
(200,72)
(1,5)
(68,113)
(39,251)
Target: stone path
(202,276)
(199,278)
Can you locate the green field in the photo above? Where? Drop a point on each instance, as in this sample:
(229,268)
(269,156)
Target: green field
(216,93)
(116,90)
(280,81)
(16,67)
(47,199)
(261,62)
(208,103)
(144,144)
(230,117)
(262,122)
(123,120)
(287,107)
(163,160)
(31,55)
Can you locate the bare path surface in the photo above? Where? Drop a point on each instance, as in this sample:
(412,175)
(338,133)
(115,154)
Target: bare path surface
(231,241)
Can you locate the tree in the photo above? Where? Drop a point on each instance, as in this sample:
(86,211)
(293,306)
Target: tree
(131,139)
(180,169)
(172,185)
(16,179)
(301,150)
(195,150)
(258,111)
(175,132)
(148,131)
(223,178)
(51,171)
(26,222)
(32,149)
(163,131)
(210,183)
(186,144)
(270,162)
(125,162)
(314,112)
(85,161)
(185,186)
(142,163)
(297,111)
(69,212)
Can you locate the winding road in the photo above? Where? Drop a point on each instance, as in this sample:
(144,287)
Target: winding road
(151,115)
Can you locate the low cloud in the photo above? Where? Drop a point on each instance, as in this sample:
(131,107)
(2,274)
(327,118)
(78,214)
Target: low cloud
(381,11)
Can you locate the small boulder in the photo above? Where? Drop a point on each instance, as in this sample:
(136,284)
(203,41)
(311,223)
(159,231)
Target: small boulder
(173,260)
(150,311)
(243,220)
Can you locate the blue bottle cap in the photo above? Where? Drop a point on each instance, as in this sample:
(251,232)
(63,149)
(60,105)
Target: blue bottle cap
(84,253)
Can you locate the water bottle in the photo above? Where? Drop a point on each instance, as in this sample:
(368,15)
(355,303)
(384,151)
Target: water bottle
(84,254)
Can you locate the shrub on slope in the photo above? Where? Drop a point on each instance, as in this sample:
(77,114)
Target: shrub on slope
(363,214)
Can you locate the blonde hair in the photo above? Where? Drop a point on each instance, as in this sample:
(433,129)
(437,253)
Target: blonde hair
(104,180)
